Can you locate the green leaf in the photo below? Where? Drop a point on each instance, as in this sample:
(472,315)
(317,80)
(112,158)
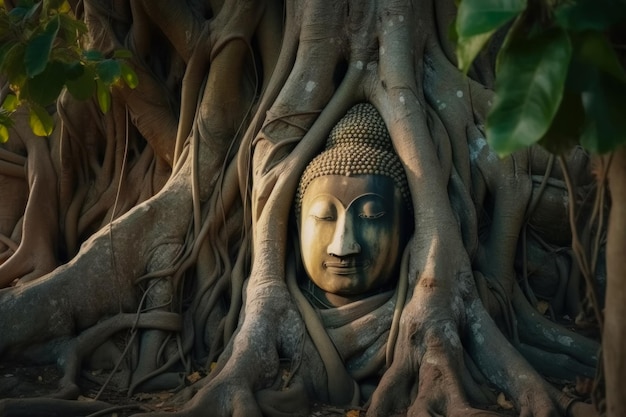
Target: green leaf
(476,17)
(10,103)
(73,70)
(529,89)
(13,65)
(4,49)
(108,71)
(45,88)
(93,55)
(39,47)
(5,25)
(24,11)
(122,54)
(25,3)
(65,7)
(104,96)
(40,121)
(17,13)
(83,87)
(5,123)
(600,80)
(594,48)
(605,107)
(72,28)
(567,125)
(4,134)
(468,49)
(596,15)
(58,5)
(32,11)
(129,75)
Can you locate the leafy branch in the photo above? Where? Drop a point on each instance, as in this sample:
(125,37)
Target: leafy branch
(41,54)
(559,80)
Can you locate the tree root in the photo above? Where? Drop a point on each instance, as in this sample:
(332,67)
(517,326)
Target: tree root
(71,355)
(447,345)
(556,365)
(543,333)
(36,254)
(11,169)
(529,392)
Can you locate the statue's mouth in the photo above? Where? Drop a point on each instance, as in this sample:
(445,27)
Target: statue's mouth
(345,266)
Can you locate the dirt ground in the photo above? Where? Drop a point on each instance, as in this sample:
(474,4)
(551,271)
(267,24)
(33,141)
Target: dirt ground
(20,381)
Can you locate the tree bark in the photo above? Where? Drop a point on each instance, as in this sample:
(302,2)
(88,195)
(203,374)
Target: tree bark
(237,97)
(614,332)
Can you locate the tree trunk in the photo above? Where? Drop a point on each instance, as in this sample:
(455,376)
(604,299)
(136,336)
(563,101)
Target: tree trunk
(197,273)
(614,332)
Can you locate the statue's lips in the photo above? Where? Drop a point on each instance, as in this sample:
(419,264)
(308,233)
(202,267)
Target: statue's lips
(348,267)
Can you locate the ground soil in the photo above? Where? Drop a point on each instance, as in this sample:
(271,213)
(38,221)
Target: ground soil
(24,381)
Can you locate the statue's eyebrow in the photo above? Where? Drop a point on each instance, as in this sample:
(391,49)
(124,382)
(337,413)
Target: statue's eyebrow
(364,195)
(355,199)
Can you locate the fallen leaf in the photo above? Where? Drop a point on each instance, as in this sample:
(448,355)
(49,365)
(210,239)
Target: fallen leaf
(503,402)
(194,377)
(84,399)
(542,306)
(152,396)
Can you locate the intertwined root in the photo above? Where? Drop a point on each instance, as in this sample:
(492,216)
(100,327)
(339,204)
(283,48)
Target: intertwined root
(224,214)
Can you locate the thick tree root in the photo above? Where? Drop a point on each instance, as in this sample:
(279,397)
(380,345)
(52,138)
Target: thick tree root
(72,354)
(559,352)
(37,252)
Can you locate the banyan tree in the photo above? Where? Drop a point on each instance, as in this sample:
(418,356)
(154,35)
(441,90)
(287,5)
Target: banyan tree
(156,240)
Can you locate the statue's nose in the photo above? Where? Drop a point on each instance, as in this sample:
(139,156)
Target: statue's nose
(344,239)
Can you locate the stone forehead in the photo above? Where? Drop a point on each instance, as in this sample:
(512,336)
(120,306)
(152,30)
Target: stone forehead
(359,144)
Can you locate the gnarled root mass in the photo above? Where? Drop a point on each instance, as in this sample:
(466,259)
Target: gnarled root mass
(199,273)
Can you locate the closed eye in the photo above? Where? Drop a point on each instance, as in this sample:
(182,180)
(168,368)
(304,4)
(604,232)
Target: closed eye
(372,216)
(323,218)
(322,210)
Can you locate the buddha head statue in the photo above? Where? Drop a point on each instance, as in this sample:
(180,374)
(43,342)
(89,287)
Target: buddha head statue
(353,209)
